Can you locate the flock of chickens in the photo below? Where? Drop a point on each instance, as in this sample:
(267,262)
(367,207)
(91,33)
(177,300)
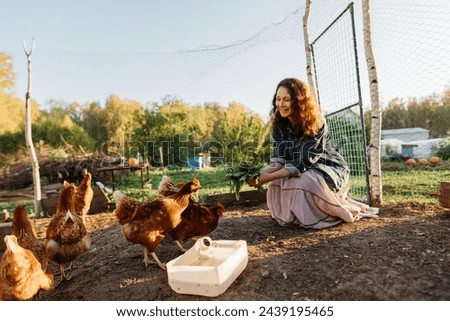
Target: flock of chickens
(24,266)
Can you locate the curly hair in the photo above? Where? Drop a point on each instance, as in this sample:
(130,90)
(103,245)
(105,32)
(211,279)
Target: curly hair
(306,112)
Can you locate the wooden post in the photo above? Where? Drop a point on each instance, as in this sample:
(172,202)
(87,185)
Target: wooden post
(29,137)
(309,67)
(375,132)
(161,157)
(444,194)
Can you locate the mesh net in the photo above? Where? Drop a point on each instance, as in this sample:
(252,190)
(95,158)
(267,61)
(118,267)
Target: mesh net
(245,71)
(410,39)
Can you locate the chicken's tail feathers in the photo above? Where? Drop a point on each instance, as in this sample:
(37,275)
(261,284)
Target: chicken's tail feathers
(166,187)
(125,207)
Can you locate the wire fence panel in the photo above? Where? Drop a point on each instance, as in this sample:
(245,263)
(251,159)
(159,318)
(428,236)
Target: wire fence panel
(339,94)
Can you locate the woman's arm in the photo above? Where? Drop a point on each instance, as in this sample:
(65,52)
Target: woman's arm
(267,177)
(271,172)
(272,167)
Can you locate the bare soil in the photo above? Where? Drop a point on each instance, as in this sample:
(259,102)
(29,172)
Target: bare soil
(403,255)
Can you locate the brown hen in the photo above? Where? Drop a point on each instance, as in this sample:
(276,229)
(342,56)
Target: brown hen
(149,223)
(83,196)
(66,235)
(21,274)
(26,236)
(196,220)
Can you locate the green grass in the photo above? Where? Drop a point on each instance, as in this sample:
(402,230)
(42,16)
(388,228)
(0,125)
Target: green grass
(213,181)
(400,183)
(418,184)
(10,206)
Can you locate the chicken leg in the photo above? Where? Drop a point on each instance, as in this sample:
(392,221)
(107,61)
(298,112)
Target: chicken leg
(146,260)
(180,246)
(63,275)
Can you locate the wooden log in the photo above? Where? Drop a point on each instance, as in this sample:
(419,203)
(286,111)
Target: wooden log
(444,194)
(247,198)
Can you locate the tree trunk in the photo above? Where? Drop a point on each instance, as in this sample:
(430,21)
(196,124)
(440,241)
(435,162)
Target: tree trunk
(375,133)
(309,67)
(29,140)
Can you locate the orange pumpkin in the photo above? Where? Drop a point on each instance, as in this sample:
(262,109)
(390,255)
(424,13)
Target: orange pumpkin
(133,162)
(422,161)
(434,160)
(410,162)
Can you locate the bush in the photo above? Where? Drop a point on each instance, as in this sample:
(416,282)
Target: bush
(444,151)
(51,133)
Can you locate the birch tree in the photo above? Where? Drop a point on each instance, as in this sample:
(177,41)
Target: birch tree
(309,68)
(375,133)
(29,137)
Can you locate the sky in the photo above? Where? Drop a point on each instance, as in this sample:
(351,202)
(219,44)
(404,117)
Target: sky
(145,25)
(89,49)
(68,29)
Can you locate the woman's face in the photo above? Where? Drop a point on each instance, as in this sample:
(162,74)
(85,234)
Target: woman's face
(283,102)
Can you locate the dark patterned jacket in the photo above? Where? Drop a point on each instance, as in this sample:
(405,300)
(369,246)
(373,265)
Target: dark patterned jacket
(299,154)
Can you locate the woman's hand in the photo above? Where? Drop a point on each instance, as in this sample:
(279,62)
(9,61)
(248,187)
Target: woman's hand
(260,180)
(252,181)
(270,173)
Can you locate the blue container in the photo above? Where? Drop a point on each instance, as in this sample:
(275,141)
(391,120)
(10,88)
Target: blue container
(195,162)
(408,150)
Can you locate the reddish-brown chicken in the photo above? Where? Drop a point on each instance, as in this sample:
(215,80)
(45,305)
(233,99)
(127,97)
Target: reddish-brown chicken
(21,274)
(196,220)
(66,235)
(83,196)
(26,236)
(149,223)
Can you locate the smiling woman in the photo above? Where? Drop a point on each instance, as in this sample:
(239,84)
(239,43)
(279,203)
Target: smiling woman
(308,179)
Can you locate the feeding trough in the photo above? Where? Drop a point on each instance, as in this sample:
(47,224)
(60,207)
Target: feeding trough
(208,268)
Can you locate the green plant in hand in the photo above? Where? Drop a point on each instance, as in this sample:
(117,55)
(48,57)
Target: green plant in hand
(237,174)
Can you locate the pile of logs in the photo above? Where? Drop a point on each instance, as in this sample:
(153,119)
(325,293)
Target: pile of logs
(52,170)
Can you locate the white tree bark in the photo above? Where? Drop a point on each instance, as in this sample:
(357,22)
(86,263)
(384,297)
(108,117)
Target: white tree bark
(375,133)
(309,66)
(29,139)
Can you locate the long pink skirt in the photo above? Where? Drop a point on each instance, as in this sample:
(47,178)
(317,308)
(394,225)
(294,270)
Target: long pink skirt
(309,202)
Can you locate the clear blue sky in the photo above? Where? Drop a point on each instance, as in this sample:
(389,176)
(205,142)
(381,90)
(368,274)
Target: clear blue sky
(411,44)
(136,25)
(129,27)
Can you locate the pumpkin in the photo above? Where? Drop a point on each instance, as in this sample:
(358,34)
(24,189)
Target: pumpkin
(434,160)
(133,162)
(422,161)
(410,162)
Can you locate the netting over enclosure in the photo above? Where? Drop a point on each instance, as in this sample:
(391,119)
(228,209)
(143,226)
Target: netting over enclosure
(246,71)
(411,45)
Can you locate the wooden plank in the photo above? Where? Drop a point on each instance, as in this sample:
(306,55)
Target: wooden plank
(444,194)
(247,198)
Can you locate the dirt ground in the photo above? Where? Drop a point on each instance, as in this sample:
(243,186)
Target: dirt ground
(403,255)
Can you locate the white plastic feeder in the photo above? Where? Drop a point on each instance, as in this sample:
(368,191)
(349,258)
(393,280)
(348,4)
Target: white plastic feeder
(208,268)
